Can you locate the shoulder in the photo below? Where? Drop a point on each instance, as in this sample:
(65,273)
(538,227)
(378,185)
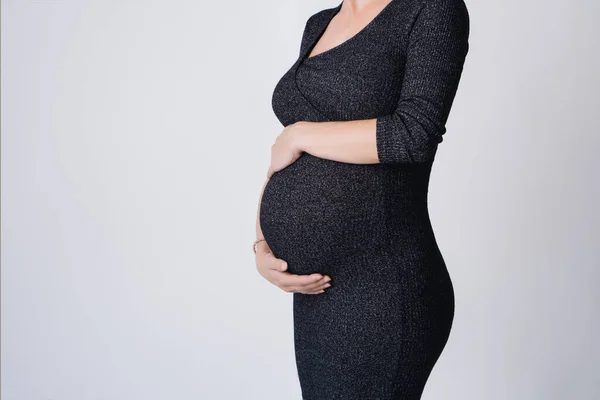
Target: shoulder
(319,17)
(445,9)
(313,25)
(449,18)
(443,4)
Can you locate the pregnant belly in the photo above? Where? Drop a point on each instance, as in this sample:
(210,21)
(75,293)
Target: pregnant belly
(317,211)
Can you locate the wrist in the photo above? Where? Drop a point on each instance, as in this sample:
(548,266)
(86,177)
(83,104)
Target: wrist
(262,247)
(301,135)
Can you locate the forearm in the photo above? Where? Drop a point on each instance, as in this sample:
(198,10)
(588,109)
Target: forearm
(344,141)
(411,133)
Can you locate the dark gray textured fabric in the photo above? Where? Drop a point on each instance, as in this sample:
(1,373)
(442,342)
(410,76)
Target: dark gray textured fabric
(377,332)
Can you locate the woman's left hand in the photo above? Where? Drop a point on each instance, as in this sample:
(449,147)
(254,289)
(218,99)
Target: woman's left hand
(285,151)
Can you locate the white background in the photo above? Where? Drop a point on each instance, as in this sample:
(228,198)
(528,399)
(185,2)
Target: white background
(135,141)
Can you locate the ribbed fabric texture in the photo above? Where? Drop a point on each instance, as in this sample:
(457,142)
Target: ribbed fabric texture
(377,332)
(435,55)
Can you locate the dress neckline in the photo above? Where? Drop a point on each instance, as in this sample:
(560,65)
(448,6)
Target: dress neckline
(333,13)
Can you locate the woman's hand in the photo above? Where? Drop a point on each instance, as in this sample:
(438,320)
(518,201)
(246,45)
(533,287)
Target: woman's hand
(274,270)
(285,150)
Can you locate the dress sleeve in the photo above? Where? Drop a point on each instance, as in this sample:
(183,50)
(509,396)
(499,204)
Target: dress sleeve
(436,52)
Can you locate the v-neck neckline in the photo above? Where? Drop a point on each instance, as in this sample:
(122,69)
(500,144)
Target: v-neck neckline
(334,12)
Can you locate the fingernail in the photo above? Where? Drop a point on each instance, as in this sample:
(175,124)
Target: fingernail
(327,279)
(282,266)
(327,285)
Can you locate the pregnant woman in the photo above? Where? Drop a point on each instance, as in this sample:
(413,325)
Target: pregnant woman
(343,220)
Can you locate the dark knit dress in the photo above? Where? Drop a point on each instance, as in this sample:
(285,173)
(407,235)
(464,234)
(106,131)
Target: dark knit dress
(378,331)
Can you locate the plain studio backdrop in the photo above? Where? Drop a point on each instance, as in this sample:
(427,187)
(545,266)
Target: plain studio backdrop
(136,138)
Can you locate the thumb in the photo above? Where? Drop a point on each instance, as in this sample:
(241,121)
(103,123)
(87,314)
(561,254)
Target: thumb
(276,263)
(283,265)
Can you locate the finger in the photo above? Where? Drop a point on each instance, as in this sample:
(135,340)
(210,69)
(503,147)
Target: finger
(318,289)
(305,291)
(297,283)
(313,292)
(319,285)
(288,279)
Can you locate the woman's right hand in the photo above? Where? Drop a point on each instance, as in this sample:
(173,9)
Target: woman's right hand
(274,270)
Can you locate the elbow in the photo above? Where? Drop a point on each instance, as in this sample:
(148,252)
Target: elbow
(402,139)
